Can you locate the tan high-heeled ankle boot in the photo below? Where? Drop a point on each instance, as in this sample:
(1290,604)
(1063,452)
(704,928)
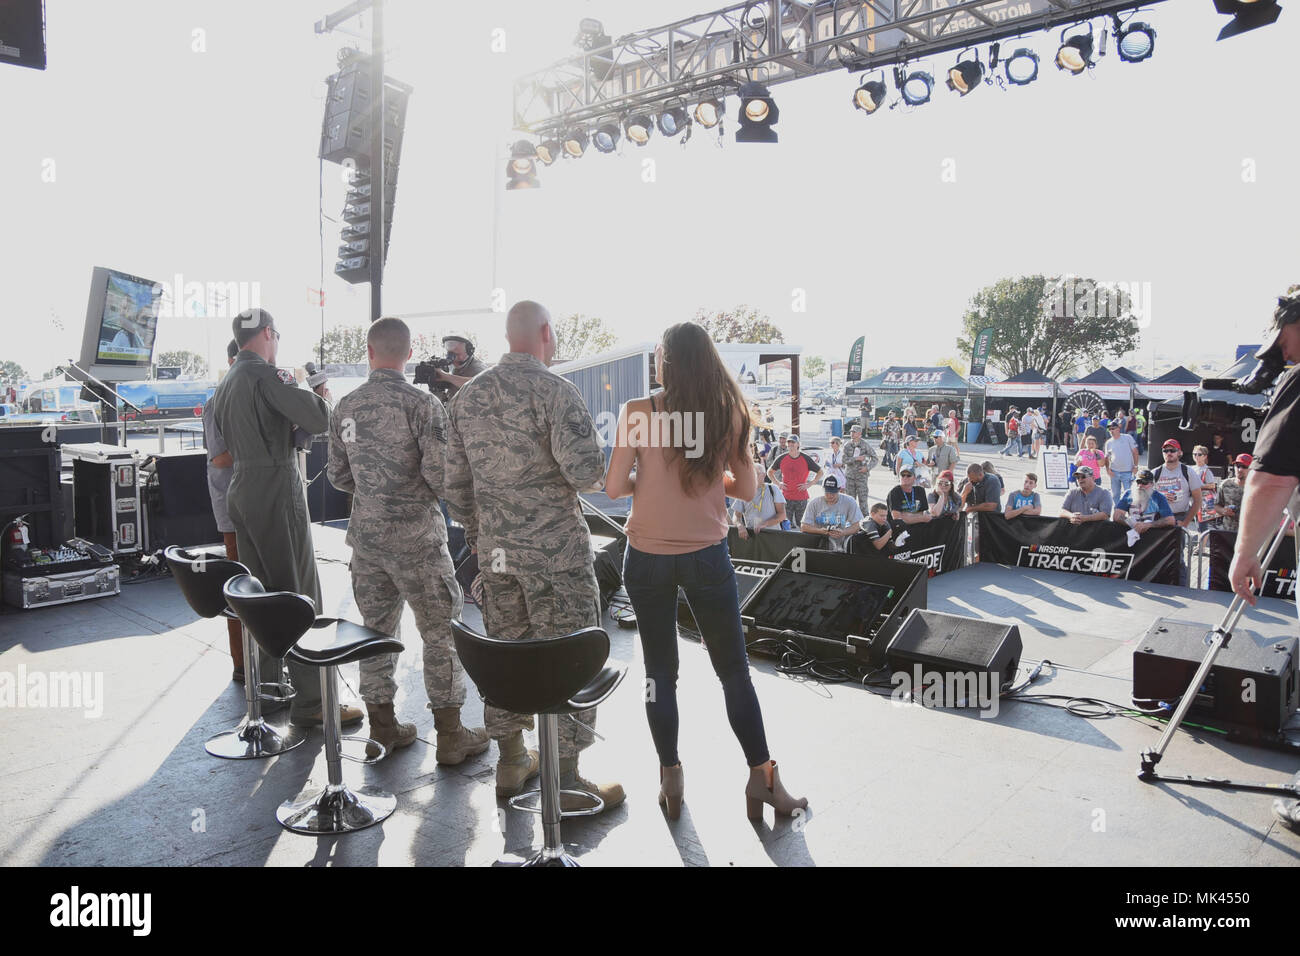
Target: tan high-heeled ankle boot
(671,787)
(765,787)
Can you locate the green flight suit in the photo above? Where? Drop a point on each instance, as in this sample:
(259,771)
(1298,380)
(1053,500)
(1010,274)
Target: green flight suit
(256,410)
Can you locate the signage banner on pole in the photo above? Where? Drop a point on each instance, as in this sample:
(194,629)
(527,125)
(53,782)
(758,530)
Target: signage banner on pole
(855,360)
(1279,577)
(1055,470)
(1098,548)
(939,544)
(979,355)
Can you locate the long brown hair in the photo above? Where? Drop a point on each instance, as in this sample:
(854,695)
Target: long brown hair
(696,381)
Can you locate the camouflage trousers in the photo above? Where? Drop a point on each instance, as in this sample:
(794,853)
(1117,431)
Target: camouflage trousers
(544,604)
(855,486)
(426,580)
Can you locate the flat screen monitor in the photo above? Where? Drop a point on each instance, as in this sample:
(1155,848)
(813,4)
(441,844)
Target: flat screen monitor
(121,325)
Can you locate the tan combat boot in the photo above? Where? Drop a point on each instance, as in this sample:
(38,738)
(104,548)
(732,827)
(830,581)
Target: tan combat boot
(570,779)
(515,765)
(456,741)
(385,729)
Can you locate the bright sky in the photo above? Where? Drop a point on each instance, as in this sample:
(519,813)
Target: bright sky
(167,160)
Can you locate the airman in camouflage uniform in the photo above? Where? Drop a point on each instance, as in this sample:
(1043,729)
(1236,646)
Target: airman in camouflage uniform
(522,446)
(256,408)
(388,446)
(859,459)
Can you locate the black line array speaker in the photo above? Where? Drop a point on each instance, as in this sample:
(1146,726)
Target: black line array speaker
(1251,689)
(324,501)
(957,648)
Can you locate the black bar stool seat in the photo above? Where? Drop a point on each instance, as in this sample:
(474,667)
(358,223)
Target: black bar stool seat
(550,677)
(285,624)
(202,578)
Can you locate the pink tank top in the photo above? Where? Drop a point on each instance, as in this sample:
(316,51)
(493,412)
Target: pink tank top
(664,519)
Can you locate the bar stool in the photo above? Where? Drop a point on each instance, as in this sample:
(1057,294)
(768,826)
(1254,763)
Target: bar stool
(548,677)
(202,577)
(285,624)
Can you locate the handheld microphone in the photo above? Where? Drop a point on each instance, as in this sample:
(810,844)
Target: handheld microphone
(314,377)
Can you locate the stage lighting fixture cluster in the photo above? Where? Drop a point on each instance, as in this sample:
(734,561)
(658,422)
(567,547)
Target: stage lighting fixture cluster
(1247,15)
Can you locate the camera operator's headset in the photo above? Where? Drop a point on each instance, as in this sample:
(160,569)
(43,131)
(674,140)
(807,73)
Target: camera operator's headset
(457,337)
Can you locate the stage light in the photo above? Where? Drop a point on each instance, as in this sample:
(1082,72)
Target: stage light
(758,114)
(965,75)
(1021,67)
(673,119)
(605,138)
(591,35)
(869,96)
(1075,53)
(638,128)
(1135,41)
(548,150)
(521,170)
(708,112)
(1247,15)
(917,87)
(574,142)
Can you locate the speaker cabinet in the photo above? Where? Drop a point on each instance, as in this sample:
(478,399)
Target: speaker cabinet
(955,652)
(1251,689)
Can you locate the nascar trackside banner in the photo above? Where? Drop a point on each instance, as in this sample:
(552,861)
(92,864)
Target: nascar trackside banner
(1097,548)
(1279,577)
(940,545)
(769,547)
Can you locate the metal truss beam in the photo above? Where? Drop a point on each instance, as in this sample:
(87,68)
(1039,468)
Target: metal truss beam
(775,41)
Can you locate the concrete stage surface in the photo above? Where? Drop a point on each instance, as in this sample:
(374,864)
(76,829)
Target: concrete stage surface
(887,783)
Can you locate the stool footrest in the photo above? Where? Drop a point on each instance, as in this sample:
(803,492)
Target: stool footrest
(357,738)
(520,802)
(275,692)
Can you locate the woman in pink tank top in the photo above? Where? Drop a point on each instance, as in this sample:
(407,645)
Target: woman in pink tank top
(689,446)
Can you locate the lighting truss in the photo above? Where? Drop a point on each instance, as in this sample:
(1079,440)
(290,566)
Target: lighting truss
(772,42)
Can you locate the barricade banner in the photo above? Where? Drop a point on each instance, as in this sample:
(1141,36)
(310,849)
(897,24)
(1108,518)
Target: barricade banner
(1279,576)
(1098,548)
(770,546)
(939,544)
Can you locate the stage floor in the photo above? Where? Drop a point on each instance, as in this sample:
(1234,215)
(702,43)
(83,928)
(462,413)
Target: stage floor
(887,784)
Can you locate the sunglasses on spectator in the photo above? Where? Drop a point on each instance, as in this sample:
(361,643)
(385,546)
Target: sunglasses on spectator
(1141,481)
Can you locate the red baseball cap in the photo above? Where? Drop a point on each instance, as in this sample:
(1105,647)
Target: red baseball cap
(1243,459)
(1171,443)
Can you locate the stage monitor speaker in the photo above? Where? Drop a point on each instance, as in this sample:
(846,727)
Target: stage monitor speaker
(840,607)
(178,504)
(959,649)
(1251,690)
(22,30)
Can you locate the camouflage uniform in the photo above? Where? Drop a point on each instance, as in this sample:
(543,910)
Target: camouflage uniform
(256,408)
(522,445)
(857,469)
(388,446)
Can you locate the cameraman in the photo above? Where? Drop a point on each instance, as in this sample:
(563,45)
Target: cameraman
(1273,477)
(460,350)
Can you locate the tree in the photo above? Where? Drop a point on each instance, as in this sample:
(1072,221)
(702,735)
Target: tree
(12,373)
(191,363)
(741,324)
(343,345)
(578,336)
(812,365)
(1058,325)
(957,365)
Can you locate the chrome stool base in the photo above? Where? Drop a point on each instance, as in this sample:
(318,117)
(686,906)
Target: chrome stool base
(544,857)
(249,741)
(335,810)
(521,802)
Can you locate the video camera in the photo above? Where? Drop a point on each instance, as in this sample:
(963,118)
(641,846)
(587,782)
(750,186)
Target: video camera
(424,374)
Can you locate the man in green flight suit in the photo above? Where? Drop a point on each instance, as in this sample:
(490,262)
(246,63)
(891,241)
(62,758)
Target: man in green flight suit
(260,410)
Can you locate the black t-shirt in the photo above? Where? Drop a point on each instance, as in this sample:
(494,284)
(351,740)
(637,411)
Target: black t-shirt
(898,500)
(864,540)
(1277,450)
(1218,458)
